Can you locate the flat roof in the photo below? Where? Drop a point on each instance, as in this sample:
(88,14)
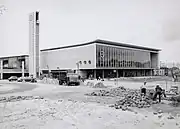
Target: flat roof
(5,57)
(105,42)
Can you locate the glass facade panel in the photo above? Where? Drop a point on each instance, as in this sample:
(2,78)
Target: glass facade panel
(114,57)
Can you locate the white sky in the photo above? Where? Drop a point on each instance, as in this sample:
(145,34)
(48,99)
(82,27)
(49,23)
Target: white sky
(151,23)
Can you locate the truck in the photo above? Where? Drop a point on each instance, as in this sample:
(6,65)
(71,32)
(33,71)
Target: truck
(66,78)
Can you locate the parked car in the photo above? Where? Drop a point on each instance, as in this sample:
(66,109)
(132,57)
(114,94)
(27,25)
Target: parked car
(27,79)
(13,78)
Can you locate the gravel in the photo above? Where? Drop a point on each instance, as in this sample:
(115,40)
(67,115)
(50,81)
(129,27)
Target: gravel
(18,98)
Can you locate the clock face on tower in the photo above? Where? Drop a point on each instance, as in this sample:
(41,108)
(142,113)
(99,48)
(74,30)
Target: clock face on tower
(31,17)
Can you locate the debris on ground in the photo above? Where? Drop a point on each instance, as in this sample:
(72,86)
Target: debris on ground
(170,117)
(160,111)
(18,98)
(99,85)
(160,116)
(112,93)
(155,113)
(126,98)
(96,85)
(90,84)
(134,100)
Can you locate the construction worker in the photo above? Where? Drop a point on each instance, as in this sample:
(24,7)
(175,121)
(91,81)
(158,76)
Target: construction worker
(158,92)
(143,89)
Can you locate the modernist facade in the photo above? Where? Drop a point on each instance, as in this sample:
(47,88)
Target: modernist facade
(34,44)
(12,66)
(101,58)
(98,58)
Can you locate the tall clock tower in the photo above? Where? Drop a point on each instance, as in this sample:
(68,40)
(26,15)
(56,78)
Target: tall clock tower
(34,52)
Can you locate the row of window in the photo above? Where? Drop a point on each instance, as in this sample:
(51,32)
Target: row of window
(13,63)
(85,62)
(119,57)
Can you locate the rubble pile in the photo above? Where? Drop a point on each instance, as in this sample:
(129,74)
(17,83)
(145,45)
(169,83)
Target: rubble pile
(120,91)
(126,98)
(175,100)
(134,100)
(18,98)
(99,85)
(90,84)
(96,85)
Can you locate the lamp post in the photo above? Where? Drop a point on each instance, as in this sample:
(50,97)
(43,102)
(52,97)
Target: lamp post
(48,71)
(23,69)
(116,80)
(77,64)
(1,69)
(58,71)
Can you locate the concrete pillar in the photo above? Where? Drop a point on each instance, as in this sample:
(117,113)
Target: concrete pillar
(144,73)
(103,73)
(151,72)
(123,73)
(78,70)
(117,73)
(94,73)
(22,68)
(1,69)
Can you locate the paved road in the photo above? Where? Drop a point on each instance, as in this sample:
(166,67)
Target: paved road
(18,87)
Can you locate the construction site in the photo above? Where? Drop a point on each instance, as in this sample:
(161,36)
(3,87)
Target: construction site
(96,84)
(109,103)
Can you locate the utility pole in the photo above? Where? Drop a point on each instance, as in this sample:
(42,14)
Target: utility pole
(77,64)
(1,69)
(23,69)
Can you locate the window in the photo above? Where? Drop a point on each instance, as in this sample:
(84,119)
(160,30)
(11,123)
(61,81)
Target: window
(5,63)
(89,62)
(84,62)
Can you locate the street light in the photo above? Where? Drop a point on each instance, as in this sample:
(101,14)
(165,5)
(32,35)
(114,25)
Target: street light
(59,71)
(48,70)
(77,64)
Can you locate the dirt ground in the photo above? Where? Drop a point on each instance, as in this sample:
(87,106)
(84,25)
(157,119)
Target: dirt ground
(69,107)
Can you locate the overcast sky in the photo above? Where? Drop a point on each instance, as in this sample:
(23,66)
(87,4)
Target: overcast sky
(151,23)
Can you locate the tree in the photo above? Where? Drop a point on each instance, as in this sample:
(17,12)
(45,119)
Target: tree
(2,9)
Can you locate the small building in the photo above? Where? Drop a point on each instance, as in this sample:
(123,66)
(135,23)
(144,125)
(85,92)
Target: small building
(12,66)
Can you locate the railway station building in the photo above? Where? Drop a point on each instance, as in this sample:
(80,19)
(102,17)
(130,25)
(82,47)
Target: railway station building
(100,58)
